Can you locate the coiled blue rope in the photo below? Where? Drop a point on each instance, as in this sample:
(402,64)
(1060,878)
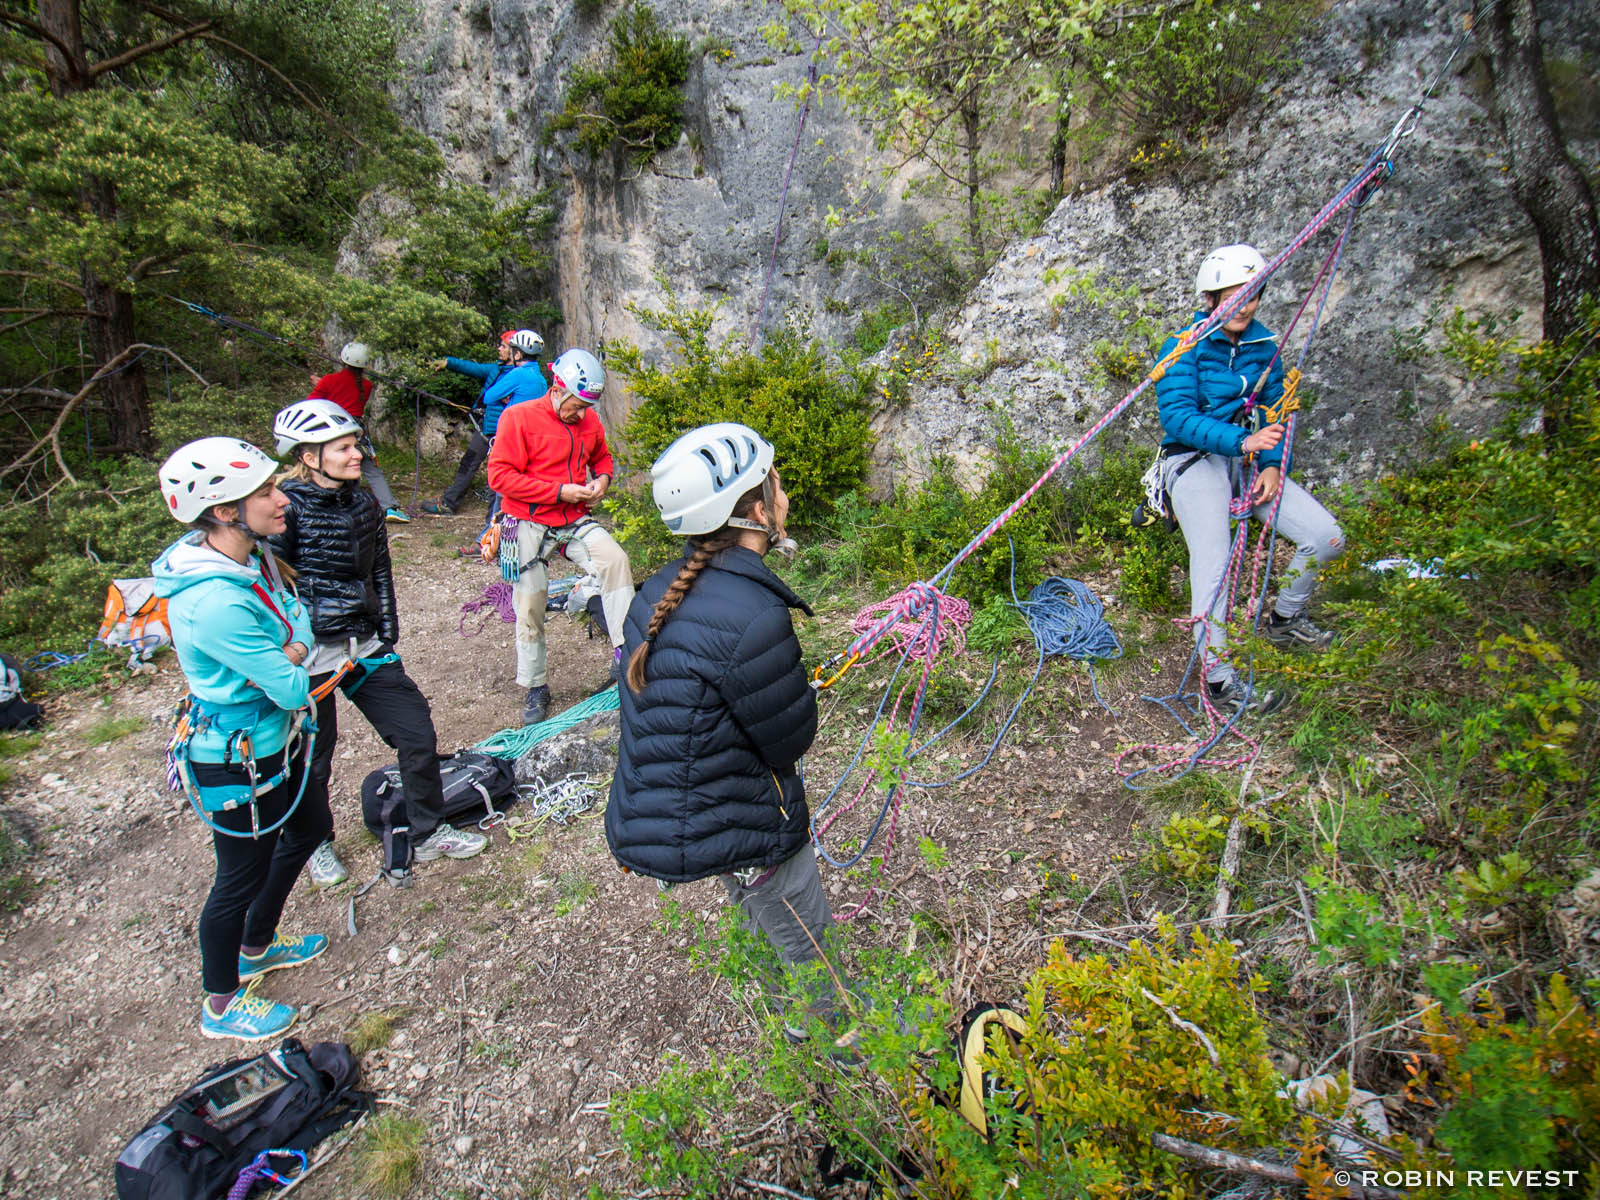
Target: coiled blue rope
(1068,619)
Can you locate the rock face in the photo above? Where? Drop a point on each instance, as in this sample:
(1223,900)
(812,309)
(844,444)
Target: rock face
(1034,338)
(488,75)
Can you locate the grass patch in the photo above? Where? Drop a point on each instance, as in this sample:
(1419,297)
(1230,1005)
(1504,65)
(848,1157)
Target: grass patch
(373,1030)
(389,1159)
(573,891)
(112,729)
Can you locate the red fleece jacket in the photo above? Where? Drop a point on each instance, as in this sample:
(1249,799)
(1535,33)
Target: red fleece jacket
(535,453)
(340,387)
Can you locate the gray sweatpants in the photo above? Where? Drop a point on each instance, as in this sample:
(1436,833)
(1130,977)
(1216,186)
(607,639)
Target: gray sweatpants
(592,550)
(372,475)
(1200,502)
(796,883)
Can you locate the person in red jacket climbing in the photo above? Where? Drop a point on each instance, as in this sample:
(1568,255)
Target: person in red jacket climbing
(549,464)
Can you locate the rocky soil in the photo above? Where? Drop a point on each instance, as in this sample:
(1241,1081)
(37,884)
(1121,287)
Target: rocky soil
(529,985)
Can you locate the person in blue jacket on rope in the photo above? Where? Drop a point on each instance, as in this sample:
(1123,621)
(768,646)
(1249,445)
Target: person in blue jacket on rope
(242,639)
(515,378)
(1207,400)
(487,416)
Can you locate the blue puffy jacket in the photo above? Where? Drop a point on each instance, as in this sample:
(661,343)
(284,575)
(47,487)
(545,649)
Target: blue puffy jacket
(706,780)
(229,627)
(512,386)
(1202,395)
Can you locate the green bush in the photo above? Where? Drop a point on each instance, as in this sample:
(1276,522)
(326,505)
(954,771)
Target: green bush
(1179,71)
(634,103)
(815,419)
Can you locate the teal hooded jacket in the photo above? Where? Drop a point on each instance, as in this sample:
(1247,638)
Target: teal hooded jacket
(229,626)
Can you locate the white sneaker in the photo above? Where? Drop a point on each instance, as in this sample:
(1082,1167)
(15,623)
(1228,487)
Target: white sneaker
(325,867)
(450,842)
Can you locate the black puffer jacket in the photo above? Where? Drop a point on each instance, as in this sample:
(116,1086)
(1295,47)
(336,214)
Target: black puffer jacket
(336,543)
(706,779)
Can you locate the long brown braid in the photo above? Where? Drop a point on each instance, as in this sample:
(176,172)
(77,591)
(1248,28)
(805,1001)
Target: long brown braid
(701,551)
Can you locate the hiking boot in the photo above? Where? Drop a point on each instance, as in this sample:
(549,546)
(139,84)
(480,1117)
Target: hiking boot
(449,842)
(438,508)
(284,952)
(1298,630)
(470,550)
(537,706)
(1232,695)
(248,1018)
(398,515)
(325,867)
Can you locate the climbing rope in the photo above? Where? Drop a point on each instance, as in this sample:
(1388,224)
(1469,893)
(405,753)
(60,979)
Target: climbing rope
(496,599)
(1068,619)
(261,1168)
(515,743)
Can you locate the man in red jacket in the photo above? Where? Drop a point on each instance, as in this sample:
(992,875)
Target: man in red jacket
(549,463)
(349,388)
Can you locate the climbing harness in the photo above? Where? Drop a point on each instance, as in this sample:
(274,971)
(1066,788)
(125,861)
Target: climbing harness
(196,716)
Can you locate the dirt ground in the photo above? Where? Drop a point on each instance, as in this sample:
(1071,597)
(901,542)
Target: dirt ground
(531,983)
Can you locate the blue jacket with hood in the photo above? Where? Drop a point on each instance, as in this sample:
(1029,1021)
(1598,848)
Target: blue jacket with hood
(522,382)
(1202,395)
(229,627)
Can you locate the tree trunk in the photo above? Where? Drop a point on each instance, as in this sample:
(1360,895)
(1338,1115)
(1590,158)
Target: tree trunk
(1061,140)
(970,127)
(110,329)
(1546,182)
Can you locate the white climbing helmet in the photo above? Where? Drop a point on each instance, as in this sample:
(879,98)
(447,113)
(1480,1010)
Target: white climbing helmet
(581,374)
(526,340)
(356,354)
(311,423)
(213,470)
(700,477)
(1229,265)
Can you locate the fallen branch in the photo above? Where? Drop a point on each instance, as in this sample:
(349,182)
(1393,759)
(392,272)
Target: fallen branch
(1238,1164)
(1188,1027)
(773,1189)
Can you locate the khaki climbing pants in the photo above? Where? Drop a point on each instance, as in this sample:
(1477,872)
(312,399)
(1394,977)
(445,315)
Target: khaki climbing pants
(589,548)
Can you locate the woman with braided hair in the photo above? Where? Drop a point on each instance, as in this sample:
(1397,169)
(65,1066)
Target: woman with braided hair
(716,707)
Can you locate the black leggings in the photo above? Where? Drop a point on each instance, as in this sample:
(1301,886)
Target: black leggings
(254,875)
(395,707)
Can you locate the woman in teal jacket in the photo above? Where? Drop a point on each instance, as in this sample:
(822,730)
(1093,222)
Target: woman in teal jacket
(241,639)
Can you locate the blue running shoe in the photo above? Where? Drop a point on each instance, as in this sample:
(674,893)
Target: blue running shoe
(399,515)
(284,952)
(248,1017)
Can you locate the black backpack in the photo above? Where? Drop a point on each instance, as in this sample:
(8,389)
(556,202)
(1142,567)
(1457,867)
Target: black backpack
(476,785)
(287,1099)
(15,712)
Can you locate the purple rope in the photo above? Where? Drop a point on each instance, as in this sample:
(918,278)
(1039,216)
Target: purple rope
(783,199)
(496,598)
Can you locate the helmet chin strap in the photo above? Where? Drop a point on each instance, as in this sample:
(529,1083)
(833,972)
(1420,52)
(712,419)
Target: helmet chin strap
(777,541)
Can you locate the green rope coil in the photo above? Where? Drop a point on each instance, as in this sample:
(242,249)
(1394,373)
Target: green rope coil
(515,743)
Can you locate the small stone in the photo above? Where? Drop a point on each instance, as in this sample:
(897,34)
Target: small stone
(463,1145)
(395,956)
(418,1071)
(570,1040)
